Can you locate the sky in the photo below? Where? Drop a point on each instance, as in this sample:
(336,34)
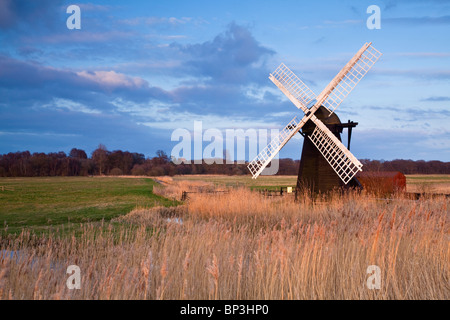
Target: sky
(137,71)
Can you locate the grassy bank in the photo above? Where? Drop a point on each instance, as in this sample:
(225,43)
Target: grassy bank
(43,203)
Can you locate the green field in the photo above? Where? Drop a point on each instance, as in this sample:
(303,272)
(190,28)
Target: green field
(431,183)
(42,204)
(51,202)
(415,183)
(268,182)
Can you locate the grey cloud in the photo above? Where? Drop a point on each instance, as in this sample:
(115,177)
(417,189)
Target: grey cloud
(418,21)
(30,77)
(41,13)
(232,57)
(437,99)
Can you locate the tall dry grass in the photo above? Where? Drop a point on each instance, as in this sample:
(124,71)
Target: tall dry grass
(242,245)
(173,189)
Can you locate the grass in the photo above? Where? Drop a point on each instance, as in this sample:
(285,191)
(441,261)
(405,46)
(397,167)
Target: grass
(428,183)
(43,203)
(415,183)
(234,245)
(245,180)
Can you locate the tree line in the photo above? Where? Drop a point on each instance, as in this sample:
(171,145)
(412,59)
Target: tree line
(118,162)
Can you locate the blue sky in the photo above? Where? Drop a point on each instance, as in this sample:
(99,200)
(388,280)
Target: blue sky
(138,70)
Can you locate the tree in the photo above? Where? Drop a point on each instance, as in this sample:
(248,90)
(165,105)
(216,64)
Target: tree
(100,157)
(77,154)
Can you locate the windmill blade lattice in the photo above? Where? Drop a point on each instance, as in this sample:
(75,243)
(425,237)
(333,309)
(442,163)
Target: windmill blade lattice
(349,76)
(338,156)
(292,87)
(257,165)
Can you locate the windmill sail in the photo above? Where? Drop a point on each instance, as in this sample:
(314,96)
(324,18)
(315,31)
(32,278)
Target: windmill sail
(257,165)
(338,156)
(292,87)
(347,79)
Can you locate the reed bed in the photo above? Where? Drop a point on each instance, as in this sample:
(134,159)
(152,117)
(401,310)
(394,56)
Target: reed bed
(243,245)
(174,189)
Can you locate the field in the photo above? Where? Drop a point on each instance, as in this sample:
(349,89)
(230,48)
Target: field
(414,183)
(246,181)
(43,203)
(134,239)
(428,183)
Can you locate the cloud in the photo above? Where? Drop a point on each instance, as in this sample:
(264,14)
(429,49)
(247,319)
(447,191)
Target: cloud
(7,14)
(231,57)
(390,5)
(391,144)
(435,99)
(94,7)
(81,37)
(418,21)
(36,13)
(112,79)
(423,73)
(70,105)
(424,54)
(222,82)
(27,76)
(157,21)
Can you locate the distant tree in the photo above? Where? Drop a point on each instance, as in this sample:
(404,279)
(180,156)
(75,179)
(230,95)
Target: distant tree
(161,158)
(100,157)
(78,154)
(138,158)
(87,167)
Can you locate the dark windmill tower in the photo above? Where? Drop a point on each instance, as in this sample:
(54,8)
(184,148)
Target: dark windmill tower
(326,163)
(314,171)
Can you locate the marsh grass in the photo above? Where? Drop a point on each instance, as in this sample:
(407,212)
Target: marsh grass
(243,245)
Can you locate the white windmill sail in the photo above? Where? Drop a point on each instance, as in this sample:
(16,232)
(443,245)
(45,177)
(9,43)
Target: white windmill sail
(292,87)
(338,156)
(344,82)
(270,151)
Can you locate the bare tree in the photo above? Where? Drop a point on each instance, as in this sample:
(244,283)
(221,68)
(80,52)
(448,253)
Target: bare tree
(100,157)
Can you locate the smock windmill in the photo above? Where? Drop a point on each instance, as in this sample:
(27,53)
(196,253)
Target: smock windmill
(325,160)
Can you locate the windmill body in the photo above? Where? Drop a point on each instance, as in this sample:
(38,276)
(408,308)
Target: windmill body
(316,123)
(314,171)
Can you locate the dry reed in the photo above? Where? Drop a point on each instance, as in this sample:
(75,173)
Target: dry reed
(243,245)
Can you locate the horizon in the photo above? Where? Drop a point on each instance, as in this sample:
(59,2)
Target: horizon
(224,158)
(134,73)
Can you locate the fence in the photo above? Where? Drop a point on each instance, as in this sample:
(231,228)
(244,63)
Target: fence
(184,194)
(278,192)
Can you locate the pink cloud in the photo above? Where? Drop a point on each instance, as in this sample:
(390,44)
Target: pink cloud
(112,79)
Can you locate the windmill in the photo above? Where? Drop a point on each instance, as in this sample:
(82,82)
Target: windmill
(325,160)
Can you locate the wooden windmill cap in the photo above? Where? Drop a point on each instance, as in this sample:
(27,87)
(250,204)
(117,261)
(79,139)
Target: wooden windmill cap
(331,121)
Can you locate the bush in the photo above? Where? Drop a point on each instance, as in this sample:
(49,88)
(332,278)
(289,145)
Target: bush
(138,170)
(116,172)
